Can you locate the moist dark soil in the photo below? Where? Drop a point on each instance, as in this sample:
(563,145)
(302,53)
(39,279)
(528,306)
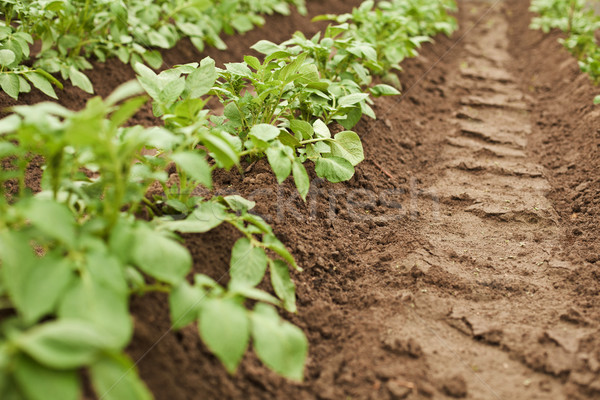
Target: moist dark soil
(461,261)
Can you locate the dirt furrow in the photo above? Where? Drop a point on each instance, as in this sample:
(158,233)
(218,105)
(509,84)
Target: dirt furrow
(495,238)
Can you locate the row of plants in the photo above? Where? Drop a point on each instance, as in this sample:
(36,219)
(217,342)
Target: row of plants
(70,33)
(579,22)
(72,255)
(281,107)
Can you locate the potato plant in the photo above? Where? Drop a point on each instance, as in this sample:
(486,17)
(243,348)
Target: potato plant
(15,77)
(282,106)
(580,23)
(396,29)
(73,32)
(72,255)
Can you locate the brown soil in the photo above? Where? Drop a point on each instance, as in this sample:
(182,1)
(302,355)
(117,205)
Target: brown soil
(462,259)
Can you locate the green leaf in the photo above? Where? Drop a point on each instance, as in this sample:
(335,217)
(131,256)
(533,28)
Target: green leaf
(7,57)
(224,327)
(280,162)
(242,23)
(301,178)
(348,146)
(309,73)
(144,71)
(303,128)
(127,110)
(195,166)
(101,296)
(266,47)
(124,91)
(238,203)
(41,83)
(24,86)
(252,293)
(171,92)
(264,132)
(258,222)
(352,116)
(37,382)
(334,169)
(252,62)
(248,263)
(153,58)
(114,377)
(202,79)
(288,139)
(9,124)
(232,113)
(282,284)
(53,219)
(10,84)
(62,344)
(272,243)
(288,73)
(351,99)
(80,80)
(206,216)
(184,303)
(17,261)
(321,130)
(161,138)
(279,344)
(45,283)
(384,90)
(597,100)
(156,39)
(222,150)
(240,69)
(160,257)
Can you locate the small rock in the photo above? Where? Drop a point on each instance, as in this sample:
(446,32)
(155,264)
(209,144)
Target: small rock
(398,391)
(426,390)
(582,378)
(407,143)
(455,387)
(407,297)
(594,364)
(545,385)
(404,346)
(385,257)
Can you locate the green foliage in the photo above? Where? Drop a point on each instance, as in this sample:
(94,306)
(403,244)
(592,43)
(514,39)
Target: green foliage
(396,29)
(73,32)
(580,23)
(15,77)
(72,255)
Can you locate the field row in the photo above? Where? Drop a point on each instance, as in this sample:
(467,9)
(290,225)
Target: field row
(73,254)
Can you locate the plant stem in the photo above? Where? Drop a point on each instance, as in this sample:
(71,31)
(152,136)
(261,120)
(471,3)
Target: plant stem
(571,13)
(314,140)
(157,287)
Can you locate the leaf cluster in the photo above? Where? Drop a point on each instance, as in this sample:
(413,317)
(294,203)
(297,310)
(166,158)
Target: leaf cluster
(73,32)
(580,23)
(282,106)
(396,29)
(72,255)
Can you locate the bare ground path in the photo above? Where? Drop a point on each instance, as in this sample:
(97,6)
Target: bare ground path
(495,237)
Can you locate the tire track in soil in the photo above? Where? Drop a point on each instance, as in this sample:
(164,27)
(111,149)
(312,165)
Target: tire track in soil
(487,318)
